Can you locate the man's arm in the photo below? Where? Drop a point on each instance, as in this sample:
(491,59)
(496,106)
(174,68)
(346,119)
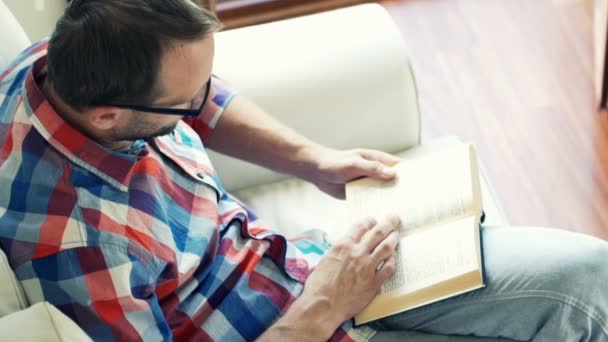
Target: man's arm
(344,283)
(247,132)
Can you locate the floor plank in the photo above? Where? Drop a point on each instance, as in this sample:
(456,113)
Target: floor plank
(516,78)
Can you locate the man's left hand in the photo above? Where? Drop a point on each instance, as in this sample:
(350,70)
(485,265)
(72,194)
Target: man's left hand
(336,167)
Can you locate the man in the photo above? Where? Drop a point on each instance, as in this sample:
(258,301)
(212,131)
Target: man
(111,210)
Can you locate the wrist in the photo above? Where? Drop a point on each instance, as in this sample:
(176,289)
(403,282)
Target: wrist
(315,312)
(308,161)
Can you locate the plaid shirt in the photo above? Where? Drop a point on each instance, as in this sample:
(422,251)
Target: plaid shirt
(137,246)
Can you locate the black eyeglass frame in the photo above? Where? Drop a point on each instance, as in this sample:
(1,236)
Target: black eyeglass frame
(168,111)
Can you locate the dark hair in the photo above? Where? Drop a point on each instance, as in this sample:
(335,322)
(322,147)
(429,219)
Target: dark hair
(110,51)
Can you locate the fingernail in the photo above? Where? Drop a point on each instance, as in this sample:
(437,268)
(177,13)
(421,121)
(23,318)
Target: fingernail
(395,219)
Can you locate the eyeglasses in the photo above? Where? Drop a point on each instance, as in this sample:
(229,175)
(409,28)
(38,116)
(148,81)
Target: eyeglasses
(196,105)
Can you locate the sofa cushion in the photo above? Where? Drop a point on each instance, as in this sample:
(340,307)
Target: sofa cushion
(41,322)
(293,206)
(12,298)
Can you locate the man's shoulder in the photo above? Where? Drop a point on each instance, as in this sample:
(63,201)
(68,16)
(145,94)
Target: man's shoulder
(38,200)
(12,81)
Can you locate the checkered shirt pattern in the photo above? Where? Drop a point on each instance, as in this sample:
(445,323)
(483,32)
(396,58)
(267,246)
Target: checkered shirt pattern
(138,247)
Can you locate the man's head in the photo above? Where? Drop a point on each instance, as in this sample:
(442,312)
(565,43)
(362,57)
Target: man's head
(107,54)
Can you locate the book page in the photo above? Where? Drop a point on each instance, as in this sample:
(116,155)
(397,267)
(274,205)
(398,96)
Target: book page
(435,254)
(434,263)
(431,188)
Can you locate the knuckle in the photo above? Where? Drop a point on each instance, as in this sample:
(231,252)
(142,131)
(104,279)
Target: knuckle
(390,268)
(356,253)
(378,234)
(386,248)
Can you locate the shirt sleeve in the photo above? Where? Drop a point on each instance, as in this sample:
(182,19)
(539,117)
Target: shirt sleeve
(220,95)
(109,293)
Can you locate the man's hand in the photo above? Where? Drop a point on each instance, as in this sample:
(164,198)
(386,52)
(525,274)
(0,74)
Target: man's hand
(263,140)
(352,272)
(336,167)
(346,280)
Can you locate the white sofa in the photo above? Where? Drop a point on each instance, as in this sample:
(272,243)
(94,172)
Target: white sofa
(342,78)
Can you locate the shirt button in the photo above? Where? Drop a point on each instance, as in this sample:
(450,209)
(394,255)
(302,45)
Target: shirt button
(200,175)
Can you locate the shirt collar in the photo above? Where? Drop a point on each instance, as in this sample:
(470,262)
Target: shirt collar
(113,167)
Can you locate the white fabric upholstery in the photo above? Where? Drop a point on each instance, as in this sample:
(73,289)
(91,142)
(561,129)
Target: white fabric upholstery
(293,206)
(37,17)
(342,78)
(12,298)
(41,322)
(13,39)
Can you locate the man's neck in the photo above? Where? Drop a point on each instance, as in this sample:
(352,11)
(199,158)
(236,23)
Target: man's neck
(76,119)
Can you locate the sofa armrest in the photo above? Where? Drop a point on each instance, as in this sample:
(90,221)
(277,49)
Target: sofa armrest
(342,78)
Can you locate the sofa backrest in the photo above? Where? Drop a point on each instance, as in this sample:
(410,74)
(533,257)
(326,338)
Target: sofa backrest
(342,78)
(13,39)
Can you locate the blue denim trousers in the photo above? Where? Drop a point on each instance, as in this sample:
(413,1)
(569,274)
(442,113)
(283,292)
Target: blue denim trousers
(541,285)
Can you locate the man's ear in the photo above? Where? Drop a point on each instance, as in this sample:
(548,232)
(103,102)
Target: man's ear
(104,118)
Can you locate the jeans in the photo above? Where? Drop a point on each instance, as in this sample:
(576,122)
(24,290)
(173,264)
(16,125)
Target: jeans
(541,285)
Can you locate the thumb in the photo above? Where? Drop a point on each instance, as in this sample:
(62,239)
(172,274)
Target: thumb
(332,189)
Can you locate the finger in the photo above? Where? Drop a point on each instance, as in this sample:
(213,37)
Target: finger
(386,248)
(379,232)
(361,227)
(387,270)
(383,157)
(374,169)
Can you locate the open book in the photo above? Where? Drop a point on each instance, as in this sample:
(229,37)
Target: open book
(437,194)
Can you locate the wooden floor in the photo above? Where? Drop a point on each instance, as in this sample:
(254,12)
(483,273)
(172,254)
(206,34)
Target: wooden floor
(516,78)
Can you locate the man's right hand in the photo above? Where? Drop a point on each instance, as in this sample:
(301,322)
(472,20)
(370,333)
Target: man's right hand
(346,280)
(352,272)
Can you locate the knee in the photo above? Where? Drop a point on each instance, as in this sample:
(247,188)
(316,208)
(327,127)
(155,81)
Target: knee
(561,278)
(581,286)
(583,274)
